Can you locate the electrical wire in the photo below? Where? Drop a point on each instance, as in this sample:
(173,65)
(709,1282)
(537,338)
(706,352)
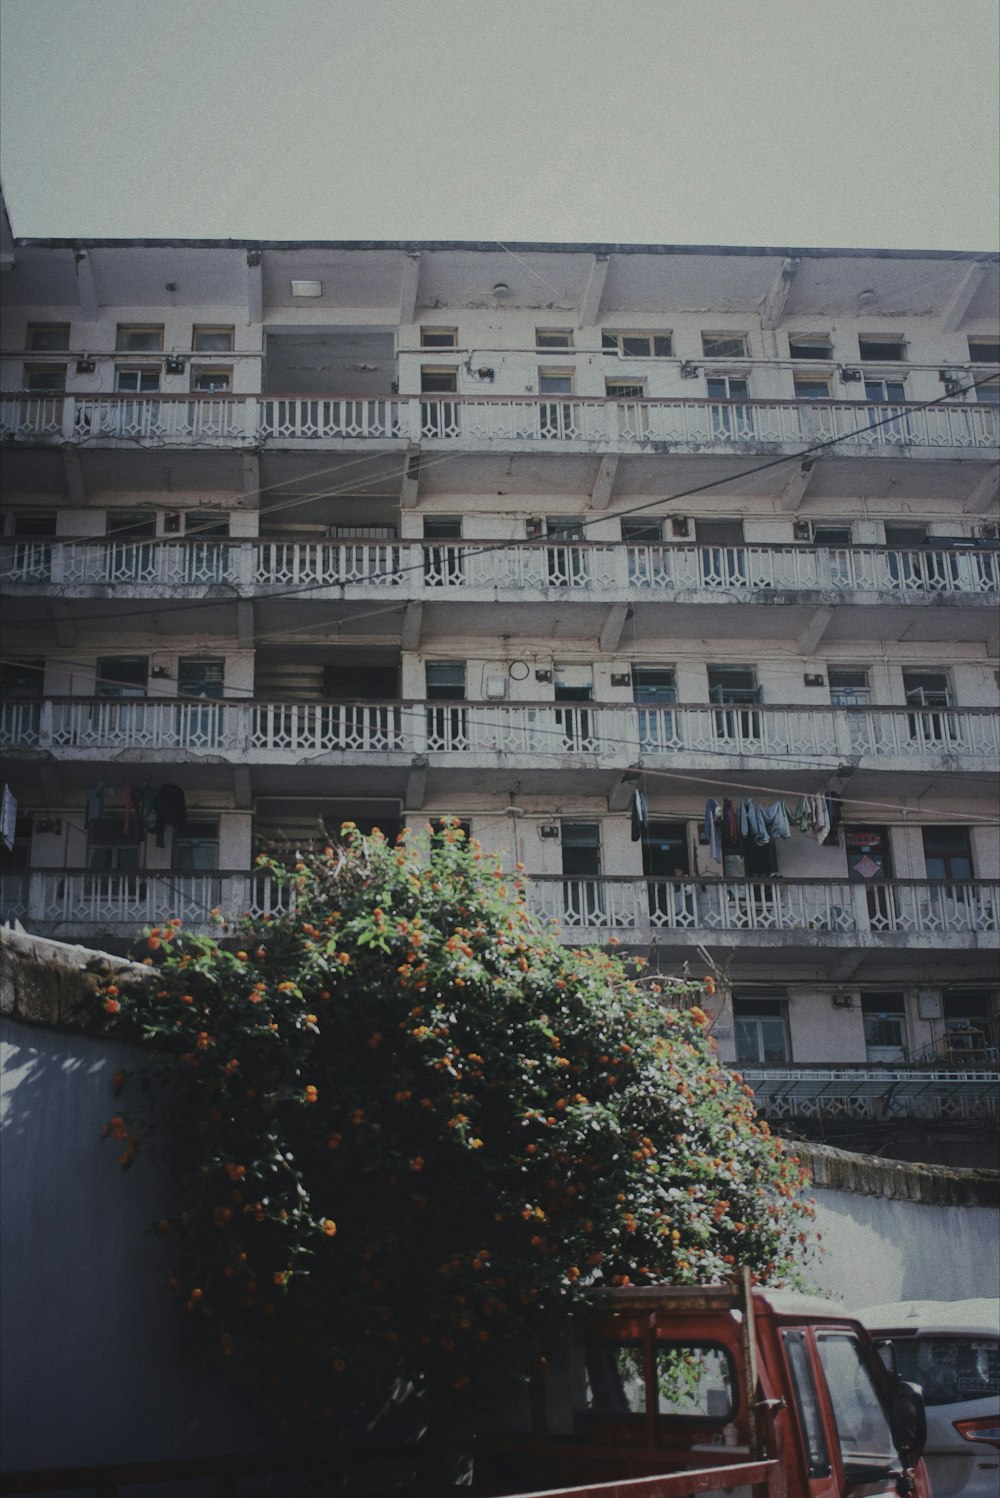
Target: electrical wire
(540,542)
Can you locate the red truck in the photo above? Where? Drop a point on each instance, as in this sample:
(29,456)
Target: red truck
(713,1389)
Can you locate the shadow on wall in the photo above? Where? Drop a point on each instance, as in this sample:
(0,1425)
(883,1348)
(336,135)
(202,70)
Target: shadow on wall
(881,1249)
(91,1360)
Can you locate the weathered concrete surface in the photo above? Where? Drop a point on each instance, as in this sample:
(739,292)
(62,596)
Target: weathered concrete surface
(52,983)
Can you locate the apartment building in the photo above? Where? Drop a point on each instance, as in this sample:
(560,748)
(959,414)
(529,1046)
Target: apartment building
(673,572)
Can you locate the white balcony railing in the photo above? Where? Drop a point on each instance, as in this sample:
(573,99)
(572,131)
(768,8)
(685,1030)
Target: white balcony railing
(871,1092)
(484,421)
(560,569)
(609,735)
(583,909)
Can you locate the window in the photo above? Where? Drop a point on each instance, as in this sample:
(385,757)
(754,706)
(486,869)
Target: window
(23,677)
(197,847)
(583,897)
(947,853)
(555,381)
(810,346)
(882,349)
(849,686)
(447,727)
(201,675)
(724,345)
(625,389)
(139,338)
(887,392)
(436,379)
(207,525)
(111,846)
(212,340)
(807,1399)
(446,680)
(206,381)
(927,688)
(830,535)
(443,564)
(45,379)
(137,381)
(553,338)
(733,684)
(47,337)
(122,675)
(981,350)
(971,1024)
(556,418)
(637,530)
(988,393)
(811,389)
(884,1017)
(730,421)
(950,1369)
(761,1027)
(638,345)
(439,338)
(866,1444)
(693,1381)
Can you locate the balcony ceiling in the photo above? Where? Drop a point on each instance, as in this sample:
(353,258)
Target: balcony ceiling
(657,280)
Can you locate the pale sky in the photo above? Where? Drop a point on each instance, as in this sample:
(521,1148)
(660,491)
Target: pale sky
(756,122)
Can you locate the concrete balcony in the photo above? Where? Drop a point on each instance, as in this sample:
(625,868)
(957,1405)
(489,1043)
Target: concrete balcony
(873,1093)
(680,590)
(547,744)
(514,423)
(895,926)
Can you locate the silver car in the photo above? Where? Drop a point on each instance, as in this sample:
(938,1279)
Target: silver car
(951,1348)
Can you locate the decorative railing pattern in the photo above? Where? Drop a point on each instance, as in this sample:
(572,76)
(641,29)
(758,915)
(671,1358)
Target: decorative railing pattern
(610,734)
(565,568)
(592,421)
(868,1092)
(583,909)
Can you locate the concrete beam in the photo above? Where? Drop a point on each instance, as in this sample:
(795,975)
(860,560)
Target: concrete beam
(844,965)
(255,286)
(620,794)
(614,623)
(590,302)
(251,480)
(961,298)
(241,787)
(409,493)
(814,631)
(73,474)
(985,497)
(605,481)
(62,618)
(794,491)
(408,286)
(416,784)
(772,306)
(245,629)
(412,620)
(86,286)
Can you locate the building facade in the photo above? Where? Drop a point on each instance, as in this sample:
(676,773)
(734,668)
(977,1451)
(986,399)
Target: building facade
(621,554)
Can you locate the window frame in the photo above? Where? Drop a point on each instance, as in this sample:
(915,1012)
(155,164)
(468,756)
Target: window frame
(202,330)
(140,371)
(126,329)
(823,381)
(436,337)
(756,1009)
(626,390)
(549,339)
(721,338)
(200,371)
(992,344)
(31,346)
(882,342)
(40,372)
(820,346)
(613,341)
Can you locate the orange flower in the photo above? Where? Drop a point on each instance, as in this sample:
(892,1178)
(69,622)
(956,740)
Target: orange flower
(709,986)
(374,1041)
(329,1226)
(334,1141)
(111,1006)
(311,1094)
(358,1117)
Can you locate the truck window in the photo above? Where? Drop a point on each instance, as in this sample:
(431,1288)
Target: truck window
(694,1380)
(865,1440)
(810,1415)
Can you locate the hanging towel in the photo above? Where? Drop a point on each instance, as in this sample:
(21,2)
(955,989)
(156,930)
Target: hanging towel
(713,811)
(640,814)
(776,820)
(801,814)
(821,818)
(753,826)
(170,811)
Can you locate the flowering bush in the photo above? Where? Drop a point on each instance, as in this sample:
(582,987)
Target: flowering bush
(409,1128)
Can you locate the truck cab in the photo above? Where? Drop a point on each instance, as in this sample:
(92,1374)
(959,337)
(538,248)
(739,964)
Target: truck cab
(711,1389)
